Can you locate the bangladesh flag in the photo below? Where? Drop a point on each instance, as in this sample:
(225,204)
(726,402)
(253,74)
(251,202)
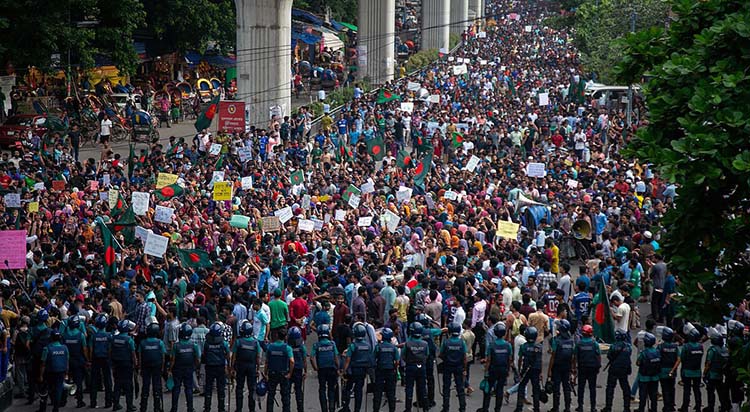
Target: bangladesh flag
(457,139)
(376,147)
(131,161)
(205,119)
(110,268)
(297,178)
(581,95)
(404,159)
(422,170)
(194,258)
(385,96)
(168,192)
(604,326)
(349,191)
(344,154)
(119,207)
(126,225)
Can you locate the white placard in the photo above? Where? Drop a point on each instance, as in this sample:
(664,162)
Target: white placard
(217,176)
(245,154)
(340,215)
(367,187)
(156,245)
(163,214)
(12,200)
(104,196)
(573,184)
(404,194)
(527,29)
(434,98)
(39,186)
(306,225)
(106,180)
(472,163)
(284,214)
(364,221)
(543,99)
(215,149)
(536,170)
(407,107)
(142,233)
(354,200)
(429,201)
(327,218)
(460,69)
(392,221)
(413,86)
(318,223)
(450,195)
(451,58)
(247,183)
(305,202)
(459,60)
(482,34)
(140,202)
(482,62)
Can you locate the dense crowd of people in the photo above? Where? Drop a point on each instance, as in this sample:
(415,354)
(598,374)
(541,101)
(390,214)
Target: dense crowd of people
(411,232)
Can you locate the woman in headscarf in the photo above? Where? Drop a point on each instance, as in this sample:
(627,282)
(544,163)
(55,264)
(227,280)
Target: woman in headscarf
(414,249)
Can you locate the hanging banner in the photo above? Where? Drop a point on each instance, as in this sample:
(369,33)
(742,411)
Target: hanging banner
(232,116)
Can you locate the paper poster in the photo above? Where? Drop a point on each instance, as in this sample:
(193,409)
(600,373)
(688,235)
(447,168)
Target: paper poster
(460,69)
(407,107)
(543,99)
(142,233)
(94,185)
(393,221)
(434,98)
(482,34)
(239,221)
(33,207)
(536,170)
(104,197)
(163,214)
(217,176)
(306,225)
(58,185)
(12,200)
(472,163)
(349,191)
(165,179)
(39,186)
(114,195)
(305,202)
(247,183)
(140,202)
(507,230)
(403,194)
(327,218)
(413,86)
(451,58)
(222,191)
(319,223)
(270,223)
(450,195)
(245,154)
(354,200)
(156,245)
(368,187)
(215,149)
(430,202)
(284,214)
(13,250)
(340,215)
(527,29)
(573,184)
(106,180)
(364,221)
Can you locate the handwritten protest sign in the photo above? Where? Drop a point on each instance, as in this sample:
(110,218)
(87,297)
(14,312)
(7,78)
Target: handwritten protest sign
(284,214)
(163,214)
(507,230)
(222,191)
(165,179)
(306,225)
(14,249)
(156,245)
(140,202)
(535,170)
(270,223)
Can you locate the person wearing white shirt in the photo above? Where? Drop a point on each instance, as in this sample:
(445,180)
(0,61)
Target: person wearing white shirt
(105,129)
(620,313)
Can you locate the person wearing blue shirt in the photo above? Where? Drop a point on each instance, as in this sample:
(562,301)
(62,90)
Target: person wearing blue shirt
(581,303)
(342,125)
(54,367)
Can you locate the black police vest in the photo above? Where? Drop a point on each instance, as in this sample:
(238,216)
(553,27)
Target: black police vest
(621,361)
(361,356)
(324,355)
(500,358)
(586,355)
(650,363)
(416,352)
(668,354)
(247,351)
(57,358)
(564,352)
(215,351)
(278,358)
(75,346)
(121,349)
(151,353)
(102,341)
(299,359)
(532,354)
(720,360)
(453,353)
(40,339)
(184,357)
(693,356)
(433,349)
(385,356)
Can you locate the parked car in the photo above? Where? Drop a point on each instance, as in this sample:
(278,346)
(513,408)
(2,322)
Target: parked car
(17,126)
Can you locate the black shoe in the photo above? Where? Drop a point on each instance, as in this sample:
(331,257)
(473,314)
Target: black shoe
(116,408)
(81,404)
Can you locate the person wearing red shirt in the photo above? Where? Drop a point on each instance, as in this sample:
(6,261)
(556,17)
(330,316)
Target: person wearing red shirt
(557,139)
(298,311)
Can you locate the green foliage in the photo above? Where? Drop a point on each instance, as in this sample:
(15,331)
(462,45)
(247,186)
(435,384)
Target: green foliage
(699,137)
(599,24)
(421,58)
(341,10)
(453,40)
(560,21)
(185,25)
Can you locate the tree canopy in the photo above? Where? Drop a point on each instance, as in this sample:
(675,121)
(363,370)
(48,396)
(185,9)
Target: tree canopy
(185,25)
(698,95)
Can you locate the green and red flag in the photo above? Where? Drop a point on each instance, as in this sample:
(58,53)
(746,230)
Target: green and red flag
(297,178)
(131,161)
(194,258)
(604,326)
(110,266)
(351,190)
(168,192)
(126,225)
(344,154)
(384,96)
(581,92)
(119,206)
(205,119)
(512,86)
(422,170)
(376,147)
(404,159)
(457,139)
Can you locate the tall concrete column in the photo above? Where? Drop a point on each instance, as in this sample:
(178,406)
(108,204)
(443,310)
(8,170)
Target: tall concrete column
(459,16)
(435,24)
(264,58)
(376,40)
(475,8)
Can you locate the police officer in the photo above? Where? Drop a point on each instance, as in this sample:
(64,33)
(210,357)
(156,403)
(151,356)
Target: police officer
(530,363)
(100,342)
(619,368)
(453,353)
(735,332)
(717,359)
(358,358)
(497,367)
(75,340)
(586,362)
(559,365)
(668,351)
(325,360)
(429,334)
(649,370)
(279,367)
(122,354)
(185,358)
(54,366)
(245,361)
(294,338)
(415,357)
(40,338)
(151,353)
(691,357)
(386,363)
(216,356)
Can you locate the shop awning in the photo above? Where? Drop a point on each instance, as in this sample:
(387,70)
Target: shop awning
(349,26)
(336,25)
(331,41)
(307,16)
(306,38)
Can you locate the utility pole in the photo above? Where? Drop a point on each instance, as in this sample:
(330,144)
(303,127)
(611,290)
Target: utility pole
(630,86)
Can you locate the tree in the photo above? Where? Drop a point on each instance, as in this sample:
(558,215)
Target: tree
(600,23)
(698,137)
(185,25)
(341,10)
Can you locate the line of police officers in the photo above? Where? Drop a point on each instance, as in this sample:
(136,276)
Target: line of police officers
(69,353)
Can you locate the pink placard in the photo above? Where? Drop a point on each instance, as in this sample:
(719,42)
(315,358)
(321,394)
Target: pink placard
(13,250)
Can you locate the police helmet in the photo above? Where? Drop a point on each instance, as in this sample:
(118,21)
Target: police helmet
(101,321)
(215,330)
(42,316)
(587,330)
(621,335)
(454,329)
(294,335)
(386,334)
(415,330)
(694,334)
(563,326)
(667,334)
(499,330)
(717,340)
(246,329)
(261,388)
(152,330)
(649,339)
(186,331)
(530,334)
(125,326)
(55,336)
(359,330)
(736,328)
(424,320)
(324,331)
(74,322)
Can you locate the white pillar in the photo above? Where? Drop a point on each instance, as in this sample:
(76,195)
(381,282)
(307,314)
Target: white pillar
(475,7)
(376,40)
(459,16)
(264,57)
(435,24)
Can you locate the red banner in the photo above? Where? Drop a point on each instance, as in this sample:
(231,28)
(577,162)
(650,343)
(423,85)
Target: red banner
(232,116)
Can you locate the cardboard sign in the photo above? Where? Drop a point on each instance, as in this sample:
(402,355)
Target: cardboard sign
(140,201)
(270,223)
(222,191)
(156,245)
(163,214)
(364,221)
(12,200)
(340,215)
(507,230)
(165,179)
(536,170)
(306,225)
(239,221)
(215,149)
(247,183)
(245,154)
(472,163)
(284,214)
(13,250)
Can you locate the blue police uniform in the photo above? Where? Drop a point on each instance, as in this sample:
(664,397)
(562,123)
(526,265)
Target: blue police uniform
(668,352)
(691,356)
(215,352)
(246,352)
(101,370)
(152,351)
(184,356)
(300,356)
(386,359)
(416,353)
(649,368)
(563,348)
(499,354)
(277,360)
(618,372)
(718,359)
(75,341)
(55,359)
(123,348)
(531,365)
(361,359)
(453,354)
(325,354)
(588,360)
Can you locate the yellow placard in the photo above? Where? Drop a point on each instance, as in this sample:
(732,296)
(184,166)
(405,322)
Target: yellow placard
(33,207)
(222,190)
(507,230)
(165,179)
